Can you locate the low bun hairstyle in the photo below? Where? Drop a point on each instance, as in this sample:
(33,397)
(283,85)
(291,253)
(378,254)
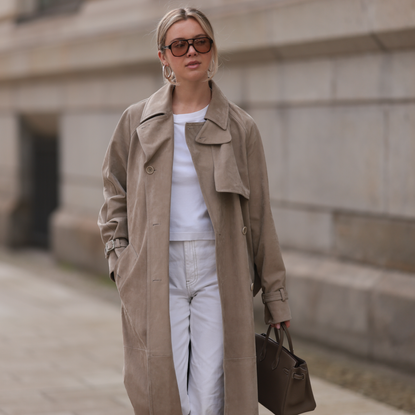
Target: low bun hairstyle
(177,15)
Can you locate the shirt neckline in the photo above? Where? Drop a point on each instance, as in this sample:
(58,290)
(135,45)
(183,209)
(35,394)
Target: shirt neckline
(191,115)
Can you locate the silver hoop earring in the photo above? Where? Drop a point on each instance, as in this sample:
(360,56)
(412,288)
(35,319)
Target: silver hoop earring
(210,69)
(167,72)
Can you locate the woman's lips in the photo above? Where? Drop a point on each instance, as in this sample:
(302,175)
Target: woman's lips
(193,65)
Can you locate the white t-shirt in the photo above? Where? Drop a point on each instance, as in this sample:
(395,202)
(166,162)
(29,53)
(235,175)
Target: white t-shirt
(189,218)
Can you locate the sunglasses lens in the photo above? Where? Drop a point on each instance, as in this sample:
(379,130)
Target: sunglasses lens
(202,45)
(179,48)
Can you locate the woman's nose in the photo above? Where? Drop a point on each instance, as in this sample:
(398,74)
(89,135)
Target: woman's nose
(193,51)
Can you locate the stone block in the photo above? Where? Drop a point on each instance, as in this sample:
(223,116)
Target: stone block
(336,157)
(402,76)
(82,195)
(289,82)
(7,209)
(387,16)
(125,89)
(397,39)
(269,122)
(238,31)
(303,22)
(302,228)
(392,23)
(112,49)
(308,80)
(361,77)
(9,174)
(400,167)
(9,183)
(84,140)
(9,154)
(230,79)
(375,76)
(75,239)
(329,46)
(359,309)
(263,83)
(382,241)
(110,91)
(6,97)
(393,315)
(330,301)
(38,96)
(84,92)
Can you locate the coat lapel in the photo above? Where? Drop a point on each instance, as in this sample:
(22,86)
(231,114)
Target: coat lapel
(156,125)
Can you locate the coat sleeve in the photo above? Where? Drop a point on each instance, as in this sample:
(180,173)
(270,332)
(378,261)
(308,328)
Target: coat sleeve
(268,262)
(112,219)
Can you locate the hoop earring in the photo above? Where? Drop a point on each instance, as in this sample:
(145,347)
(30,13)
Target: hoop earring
(167,72)
(210,69)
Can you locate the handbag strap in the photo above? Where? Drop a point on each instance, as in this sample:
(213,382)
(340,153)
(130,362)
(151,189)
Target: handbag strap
(279,336)
(264,345)
(279,350)
(283,330)
(290,342)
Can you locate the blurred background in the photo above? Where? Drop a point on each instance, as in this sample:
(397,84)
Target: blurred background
(331,85)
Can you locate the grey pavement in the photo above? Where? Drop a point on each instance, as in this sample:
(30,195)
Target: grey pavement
(61,349)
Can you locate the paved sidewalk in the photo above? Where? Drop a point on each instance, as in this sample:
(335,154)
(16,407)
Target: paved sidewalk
(61,354)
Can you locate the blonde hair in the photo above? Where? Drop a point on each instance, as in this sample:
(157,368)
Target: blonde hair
(176,15)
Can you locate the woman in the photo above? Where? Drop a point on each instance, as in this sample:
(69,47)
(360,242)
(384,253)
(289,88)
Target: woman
(189,235)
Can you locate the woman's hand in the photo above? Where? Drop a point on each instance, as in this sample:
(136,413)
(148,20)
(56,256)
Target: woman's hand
(278,325)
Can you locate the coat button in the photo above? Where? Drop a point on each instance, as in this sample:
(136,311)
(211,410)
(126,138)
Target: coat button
(244,230)
(252,286)
(149,169)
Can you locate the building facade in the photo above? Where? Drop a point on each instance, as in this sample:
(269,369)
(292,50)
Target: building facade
(331,85)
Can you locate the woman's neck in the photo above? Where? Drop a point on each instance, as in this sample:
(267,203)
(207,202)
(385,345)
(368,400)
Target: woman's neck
(188,98)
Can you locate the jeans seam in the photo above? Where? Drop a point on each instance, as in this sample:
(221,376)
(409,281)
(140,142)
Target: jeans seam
(196,269)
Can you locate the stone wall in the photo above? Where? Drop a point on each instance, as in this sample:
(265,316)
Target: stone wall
(331,84)
(339,134)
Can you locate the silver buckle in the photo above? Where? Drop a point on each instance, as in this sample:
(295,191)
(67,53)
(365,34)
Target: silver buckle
(109,246)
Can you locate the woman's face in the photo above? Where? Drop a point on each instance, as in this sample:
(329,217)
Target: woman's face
(193,66)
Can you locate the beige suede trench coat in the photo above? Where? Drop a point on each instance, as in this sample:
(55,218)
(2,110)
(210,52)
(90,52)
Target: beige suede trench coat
(228,156)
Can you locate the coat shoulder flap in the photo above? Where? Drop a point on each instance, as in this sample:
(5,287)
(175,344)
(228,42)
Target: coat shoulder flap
(227,174)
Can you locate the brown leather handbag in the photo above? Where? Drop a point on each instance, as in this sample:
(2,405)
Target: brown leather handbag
(283,381)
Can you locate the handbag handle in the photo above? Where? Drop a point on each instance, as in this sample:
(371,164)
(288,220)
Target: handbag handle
(279,336)
(290,342)
(264,345)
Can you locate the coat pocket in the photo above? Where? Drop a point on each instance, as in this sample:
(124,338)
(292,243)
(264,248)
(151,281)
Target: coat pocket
(124,265)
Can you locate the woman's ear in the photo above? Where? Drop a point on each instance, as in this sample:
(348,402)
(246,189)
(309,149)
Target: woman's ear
(162,58)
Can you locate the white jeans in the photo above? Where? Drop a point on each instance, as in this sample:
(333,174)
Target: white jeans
(196,326)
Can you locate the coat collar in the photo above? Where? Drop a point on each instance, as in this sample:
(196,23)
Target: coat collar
(156,131)
(160,103)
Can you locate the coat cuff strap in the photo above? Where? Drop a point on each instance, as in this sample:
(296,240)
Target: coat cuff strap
(279,295)
(114,243)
